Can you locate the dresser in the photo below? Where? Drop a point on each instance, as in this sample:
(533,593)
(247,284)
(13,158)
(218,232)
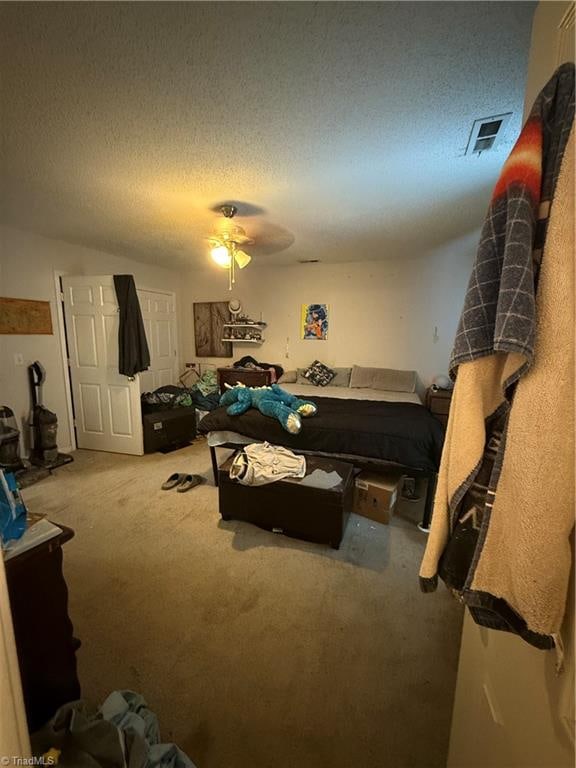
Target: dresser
(44,634)
(247,376)
(438,403)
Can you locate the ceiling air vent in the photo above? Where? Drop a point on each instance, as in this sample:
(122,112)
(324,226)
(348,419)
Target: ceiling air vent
(308,261)
(486,133)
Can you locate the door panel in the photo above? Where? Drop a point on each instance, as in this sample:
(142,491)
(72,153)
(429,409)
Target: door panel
(85,341)
(106,404)
(91,408)
(159,316)
(120,411)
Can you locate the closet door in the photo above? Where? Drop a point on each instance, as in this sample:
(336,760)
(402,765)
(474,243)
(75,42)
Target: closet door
(107,413)
(159,316)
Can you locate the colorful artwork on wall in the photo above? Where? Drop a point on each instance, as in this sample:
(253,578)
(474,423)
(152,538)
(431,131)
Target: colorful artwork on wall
(314,321)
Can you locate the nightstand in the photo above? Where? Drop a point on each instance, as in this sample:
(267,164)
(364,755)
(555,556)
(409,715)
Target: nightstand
(248,376)
(438,403)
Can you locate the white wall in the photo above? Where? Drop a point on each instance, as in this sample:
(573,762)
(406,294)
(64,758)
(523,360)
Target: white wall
(548,49)
(382,313)
(27,265)
(511,709)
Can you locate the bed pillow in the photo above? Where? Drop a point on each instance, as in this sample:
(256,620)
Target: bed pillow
(319,374)
(342,377)
(300,378)
(288,377)
(387,379)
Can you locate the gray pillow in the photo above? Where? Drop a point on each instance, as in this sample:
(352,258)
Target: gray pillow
(342,378)
(288,377)
(387,379)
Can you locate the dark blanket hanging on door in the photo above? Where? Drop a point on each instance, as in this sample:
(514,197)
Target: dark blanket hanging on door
(133,352)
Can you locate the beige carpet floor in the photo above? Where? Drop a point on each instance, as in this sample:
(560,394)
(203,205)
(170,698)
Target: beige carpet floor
(255,650)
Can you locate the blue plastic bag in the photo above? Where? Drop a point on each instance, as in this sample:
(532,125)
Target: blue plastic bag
(12,508)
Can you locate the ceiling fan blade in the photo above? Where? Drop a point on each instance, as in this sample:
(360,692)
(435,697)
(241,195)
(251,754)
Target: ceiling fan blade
(269,238)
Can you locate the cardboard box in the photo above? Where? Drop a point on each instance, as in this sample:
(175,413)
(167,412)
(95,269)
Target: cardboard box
(375,496)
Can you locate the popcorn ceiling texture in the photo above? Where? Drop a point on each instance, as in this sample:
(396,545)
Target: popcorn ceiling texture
(346,122)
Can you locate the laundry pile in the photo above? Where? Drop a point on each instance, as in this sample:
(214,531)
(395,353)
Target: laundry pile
(249,362)
(123,733)
(203,394)
(262,463)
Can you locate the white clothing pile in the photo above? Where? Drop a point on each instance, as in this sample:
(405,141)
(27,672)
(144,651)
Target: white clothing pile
(262,463)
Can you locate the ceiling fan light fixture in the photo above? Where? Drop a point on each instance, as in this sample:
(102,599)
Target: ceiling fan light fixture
(221,256)
(225,243)
(242,259)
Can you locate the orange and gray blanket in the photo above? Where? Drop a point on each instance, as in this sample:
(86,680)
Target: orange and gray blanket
(504,506)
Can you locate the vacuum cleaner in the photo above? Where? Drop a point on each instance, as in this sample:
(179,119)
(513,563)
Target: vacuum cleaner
(44,425)
(9,441)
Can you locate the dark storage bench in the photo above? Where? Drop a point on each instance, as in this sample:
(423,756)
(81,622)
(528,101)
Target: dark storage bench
(300,508)
(168,429)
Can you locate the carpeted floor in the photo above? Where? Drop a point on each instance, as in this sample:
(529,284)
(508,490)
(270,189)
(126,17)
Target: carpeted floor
(255,650)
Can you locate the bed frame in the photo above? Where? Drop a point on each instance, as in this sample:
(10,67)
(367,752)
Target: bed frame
(360,462)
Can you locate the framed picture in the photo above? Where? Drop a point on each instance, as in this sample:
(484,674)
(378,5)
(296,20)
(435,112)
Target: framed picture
(209,320)
(314,322)
(25,316)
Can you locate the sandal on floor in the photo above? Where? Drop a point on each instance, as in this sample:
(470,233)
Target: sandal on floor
(173,481)
(189,481)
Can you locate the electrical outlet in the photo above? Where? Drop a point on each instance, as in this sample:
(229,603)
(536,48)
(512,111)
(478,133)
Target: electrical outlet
(18,358)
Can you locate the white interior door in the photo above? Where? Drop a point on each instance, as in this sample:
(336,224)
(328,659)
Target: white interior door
(159,315)
(106,405)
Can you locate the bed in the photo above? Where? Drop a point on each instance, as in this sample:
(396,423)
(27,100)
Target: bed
(370,427)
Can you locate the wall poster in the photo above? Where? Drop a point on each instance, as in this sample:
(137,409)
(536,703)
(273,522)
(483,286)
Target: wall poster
(314,321)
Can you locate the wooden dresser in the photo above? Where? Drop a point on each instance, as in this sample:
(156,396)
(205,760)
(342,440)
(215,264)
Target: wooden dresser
(248,376)
(438,403)
(42,628)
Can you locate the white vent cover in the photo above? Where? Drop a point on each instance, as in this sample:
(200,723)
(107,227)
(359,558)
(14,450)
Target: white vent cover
(487,133)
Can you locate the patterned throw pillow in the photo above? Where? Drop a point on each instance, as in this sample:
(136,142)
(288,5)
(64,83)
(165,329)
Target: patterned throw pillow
(319,374)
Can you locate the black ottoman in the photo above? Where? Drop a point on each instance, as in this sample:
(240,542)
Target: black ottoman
(314,508)
(168,429)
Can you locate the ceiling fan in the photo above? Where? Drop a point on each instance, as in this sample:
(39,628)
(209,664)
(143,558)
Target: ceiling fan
(229,239)
(225,244)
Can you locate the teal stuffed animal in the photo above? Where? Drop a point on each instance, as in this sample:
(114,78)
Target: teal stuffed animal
(271,401)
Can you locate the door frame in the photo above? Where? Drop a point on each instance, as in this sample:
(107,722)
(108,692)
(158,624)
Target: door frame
(64,355)
(58,273)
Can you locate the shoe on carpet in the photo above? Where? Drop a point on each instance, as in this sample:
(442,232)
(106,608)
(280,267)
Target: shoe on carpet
(189,481)
(173,481)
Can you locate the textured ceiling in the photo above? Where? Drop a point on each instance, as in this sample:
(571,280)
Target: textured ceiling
(344,124)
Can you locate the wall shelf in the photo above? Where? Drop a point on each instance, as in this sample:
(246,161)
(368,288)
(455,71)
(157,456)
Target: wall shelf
(248,332)
(245,325)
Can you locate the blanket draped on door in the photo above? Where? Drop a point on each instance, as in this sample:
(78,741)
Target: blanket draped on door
(133,352)
(503,510)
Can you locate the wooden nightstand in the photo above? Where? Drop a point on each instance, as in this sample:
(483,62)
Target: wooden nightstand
(438,403)
(248,376)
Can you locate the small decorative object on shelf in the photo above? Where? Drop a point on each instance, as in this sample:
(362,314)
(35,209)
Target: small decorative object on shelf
(244,330)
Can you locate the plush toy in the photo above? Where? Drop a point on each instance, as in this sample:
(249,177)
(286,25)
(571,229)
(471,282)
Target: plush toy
(271,401)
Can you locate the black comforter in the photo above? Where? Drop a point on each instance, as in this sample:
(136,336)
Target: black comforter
(403,433)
